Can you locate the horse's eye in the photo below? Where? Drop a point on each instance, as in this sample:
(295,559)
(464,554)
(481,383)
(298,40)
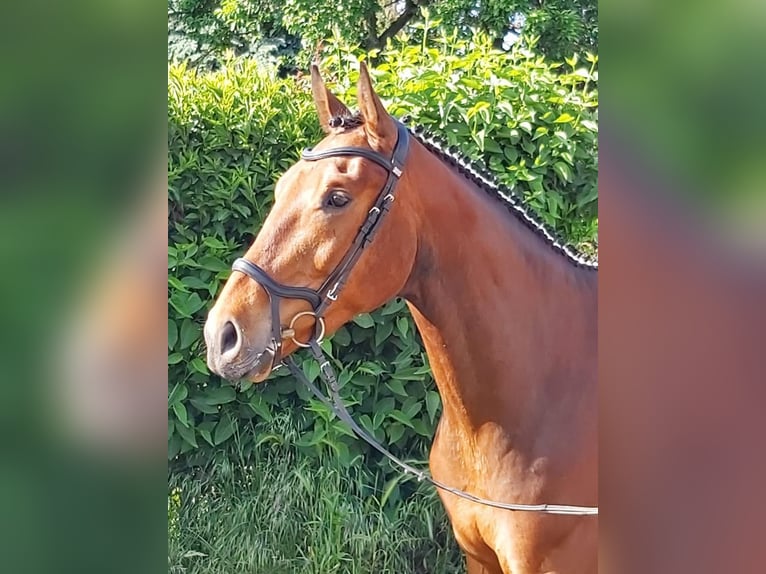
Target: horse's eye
(337,199)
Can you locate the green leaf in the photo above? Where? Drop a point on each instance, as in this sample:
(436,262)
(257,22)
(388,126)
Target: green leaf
(203,406)
(204,433)
(189,333)
(563,171)
(364,320)
(342,429)
(370,368)
(205,430)
(172,257)
(223,430)
(433,402)
(492,146)
(412,410)
(479,106)
(187,433)
(186,303)
(260,408)
(172,334)
(245,385)
(461,129)
(214,243)
(403,326)
(174,446)
(421,427)
(176,284)
(401,417)
(395,431)
(340,449)
(393,307)
(220,395)
(175,358)
(478,137)
(408,374)
(195,282)
(511,154)
(383,332)
(213,264)
(341,337)
(311,369)
(198,364)
(397,387)
(564,118)
(314,438)
(180,410)
(589,125)
(366,422)
(178,394)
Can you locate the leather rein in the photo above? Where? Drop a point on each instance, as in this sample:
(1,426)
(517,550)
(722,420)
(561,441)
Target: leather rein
(320,299)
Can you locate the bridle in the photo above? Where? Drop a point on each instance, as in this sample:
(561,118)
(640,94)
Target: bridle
(320,299)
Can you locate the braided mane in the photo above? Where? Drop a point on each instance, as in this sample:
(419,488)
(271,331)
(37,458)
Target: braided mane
(486,181)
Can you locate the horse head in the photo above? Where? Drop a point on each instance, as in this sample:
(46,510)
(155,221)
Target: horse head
(312,242)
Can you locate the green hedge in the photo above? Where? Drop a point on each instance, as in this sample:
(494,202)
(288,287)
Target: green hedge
(231,134)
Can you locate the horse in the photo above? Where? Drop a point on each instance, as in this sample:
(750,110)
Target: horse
(681,377)
(507,315)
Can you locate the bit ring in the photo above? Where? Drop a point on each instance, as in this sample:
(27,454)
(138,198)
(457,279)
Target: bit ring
(290,331)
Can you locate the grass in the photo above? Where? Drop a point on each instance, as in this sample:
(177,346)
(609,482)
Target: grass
(286,514)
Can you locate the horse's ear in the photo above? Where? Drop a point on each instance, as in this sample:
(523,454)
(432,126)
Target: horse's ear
(378,124)
(328,106)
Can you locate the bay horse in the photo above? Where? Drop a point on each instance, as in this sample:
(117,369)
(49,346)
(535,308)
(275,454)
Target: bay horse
(508,318)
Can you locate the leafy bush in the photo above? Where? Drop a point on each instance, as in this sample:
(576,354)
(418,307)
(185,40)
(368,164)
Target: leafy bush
(234,131)
(533,124)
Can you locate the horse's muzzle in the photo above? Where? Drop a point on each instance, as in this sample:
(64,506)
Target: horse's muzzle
(232,356)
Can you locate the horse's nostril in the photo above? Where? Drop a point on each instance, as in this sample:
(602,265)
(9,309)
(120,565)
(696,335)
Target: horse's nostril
(229,337)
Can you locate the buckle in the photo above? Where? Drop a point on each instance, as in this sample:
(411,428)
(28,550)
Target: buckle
(332,295)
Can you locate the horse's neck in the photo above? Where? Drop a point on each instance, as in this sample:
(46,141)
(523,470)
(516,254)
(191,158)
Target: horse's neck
(502,316)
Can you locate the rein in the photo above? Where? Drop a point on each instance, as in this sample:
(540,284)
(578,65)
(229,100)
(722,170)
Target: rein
(320,299)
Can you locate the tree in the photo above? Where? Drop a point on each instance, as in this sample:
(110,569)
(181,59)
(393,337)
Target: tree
(199,29)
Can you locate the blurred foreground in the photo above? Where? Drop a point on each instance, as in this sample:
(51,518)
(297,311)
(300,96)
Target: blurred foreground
(682,378)
(82,295)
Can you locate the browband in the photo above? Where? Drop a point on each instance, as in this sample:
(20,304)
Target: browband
(311,155)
